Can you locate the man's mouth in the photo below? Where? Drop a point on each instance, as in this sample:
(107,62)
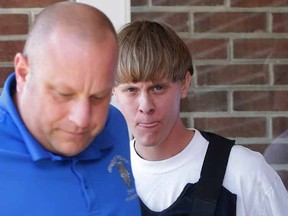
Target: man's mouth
(148,125)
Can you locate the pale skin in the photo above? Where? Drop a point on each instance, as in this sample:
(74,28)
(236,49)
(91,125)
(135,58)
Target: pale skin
(63,95)
(152,112)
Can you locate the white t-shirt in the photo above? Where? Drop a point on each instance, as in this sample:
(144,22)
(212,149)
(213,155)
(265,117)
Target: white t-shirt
(259,189)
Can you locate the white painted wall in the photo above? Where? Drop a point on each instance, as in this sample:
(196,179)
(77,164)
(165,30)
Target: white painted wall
(117,10)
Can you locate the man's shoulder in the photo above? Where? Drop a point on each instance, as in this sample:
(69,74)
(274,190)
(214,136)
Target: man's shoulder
(250,166)
(6,122)
(246,157)
(115,132)
(115,115)
(239,154)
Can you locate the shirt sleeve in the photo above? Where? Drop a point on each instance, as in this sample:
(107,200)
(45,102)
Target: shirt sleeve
(259,189)
(276,200)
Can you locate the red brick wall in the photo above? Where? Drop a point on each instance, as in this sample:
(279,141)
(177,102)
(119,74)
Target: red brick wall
(15,18)
(240,54)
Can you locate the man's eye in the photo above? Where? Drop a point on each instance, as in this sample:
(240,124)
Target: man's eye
(97,99)
(131,89)
(61,96)
(158,88)
(64,95)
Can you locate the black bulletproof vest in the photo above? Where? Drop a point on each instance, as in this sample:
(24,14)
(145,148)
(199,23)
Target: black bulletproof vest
(207,197)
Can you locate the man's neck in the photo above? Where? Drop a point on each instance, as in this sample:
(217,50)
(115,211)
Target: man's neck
(171,146)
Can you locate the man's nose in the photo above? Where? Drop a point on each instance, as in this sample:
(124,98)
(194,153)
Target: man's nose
(80,113)
(146,103)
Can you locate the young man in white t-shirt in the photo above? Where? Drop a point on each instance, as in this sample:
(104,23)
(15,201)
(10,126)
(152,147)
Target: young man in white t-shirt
(154,73)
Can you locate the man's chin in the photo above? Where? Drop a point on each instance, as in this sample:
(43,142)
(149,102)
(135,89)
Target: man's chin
(70,149)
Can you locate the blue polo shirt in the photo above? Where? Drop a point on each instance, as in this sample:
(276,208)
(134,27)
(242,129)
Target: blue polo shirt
(35,182)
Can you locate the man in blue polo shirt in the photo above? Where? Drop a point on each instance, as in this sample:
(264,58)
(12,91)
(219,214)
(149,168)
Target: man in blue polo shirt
(64,149)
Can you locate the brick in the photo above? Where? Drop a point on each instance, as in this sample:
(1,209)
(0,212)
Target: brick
(13,24)
(207,48)
(179,22)
(260,101)
(280,127)
(280,23)
(233,127)
(187,2)
(258,3)
(261,49)
(26,3)
(4,73)
(255,147)
(205,101)
(8,49)
(139,3)
(284,177)
(232,74)
(280,74)
(229,22)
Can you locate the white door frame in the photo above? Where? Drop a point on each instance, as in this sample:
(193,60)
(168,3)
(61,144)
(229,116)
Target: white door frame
(118,11)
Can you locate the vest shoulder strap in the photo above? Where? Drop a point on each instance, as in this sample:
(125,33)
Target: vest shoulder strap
(212,174)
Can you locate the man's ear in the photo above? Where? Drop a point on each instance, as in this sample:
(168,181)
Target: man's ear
(113,90)
(186,84)
(114,94)
(21,66)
